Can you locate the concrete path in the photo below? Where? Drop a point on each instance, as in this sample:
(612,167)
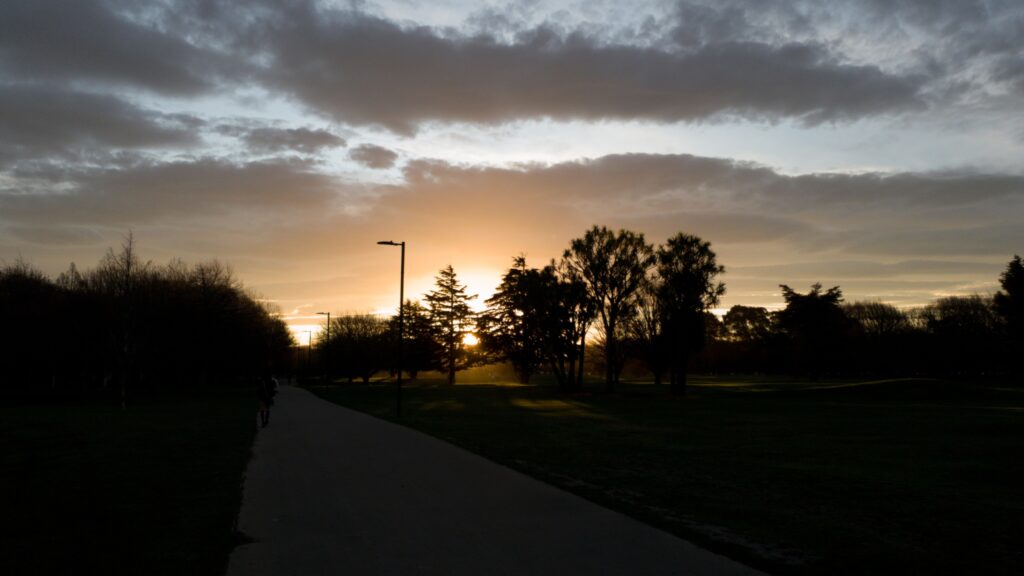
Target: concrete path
(333,491)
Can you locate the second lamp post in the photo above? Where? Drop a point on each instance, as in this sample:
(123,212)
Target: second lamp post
(327,349)
(401,324)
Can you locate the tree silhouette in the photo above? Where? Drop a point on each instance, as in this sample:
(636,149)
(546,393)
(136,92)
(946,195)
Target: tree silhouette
(612,266)
(537,317)
(877,319)
(569,313)
(747,324)
(646,332)
(1009,301)
(419,349)
(964,330)
(451,319)
(816,325)
(686,289)
(121,273)
(512,326)
(879,339)
(29,309)
(360,344)
(129,326)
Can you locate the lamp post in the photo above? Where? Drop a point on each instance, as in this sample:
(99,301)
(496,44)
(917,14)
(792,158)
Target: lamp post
(401,323)
(327,348)
(309,351)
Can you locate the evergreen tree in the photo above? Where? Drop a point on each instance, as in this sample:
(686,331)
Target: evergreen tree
(419,350)
(511,326)
(686,289)
(816,326)
(1009,301)
(451,319)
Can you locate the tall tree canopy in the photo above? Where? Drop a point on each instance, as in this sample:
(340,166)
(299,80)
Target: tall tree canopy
(1010,300)
(877,319)
(816,325)
(612,266)
(747,323)
(513,324)
(538,317)
(451,319)
(359,343)
(645,330)
(419,348)
(686,289)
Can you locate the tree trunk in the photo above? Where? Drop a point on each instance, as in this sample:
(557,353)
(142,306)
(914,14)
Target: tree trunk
(609,362)
(568,380)
(583,350)
(679,374)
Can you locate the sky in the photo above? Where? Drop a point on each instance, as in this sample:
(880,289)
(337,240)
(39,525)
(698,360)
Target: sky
(874,145)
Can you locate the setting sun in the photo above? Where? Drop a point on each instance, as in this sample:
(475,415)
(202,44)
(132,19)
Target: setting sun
(470,340)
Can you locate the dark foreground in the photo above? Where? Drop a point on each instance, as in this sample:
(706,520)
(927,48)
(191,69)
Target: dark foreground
(89,489)
(333,491)
(890,476)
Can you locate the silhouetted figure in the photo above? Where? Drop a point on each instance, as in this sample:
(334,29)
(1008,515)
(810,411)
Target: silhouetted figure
(265,391)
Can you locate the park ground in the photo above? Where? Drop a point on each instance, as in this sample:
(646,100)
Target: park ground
(792,477)
(838,477)
(90,489)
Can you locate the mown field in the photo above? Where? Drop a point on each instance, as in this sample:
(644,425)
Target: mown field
(155,489)
(915,476)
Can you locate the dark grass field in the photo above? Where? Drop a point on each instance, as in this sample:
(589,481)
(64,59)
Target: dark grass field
(897,476)
(89,489)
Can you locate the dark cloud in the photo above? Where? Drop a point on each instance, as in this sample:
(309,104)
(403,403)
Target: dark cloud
(40,120)
(365,70)
(866,269)
(738,58)
(995,239)
(169,191)
(728,202)
(57,235)
(373,156)
(908,214)
(92,41)
(725,227)
(263,139)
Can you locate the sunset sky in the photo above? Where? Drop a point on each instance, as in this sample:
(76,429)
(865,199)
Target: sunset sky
(878,146)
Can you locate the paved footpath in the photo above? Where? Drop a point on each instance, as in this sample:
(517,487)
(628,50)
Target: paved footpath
(333,491)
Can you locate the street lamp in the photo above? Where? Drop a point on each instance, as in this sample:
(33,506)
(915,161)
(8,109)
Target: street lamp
(327,348)
(309,352)
(401,324)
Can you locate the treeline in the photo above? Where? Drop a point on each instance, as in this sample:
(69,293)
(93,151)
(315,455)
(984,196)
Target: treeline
(616,303)
(358,346)
(540,319)
(128,325)
(818,334)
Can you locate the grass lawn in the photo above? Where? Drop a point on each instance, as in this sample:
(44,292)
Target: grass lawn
(835,478)
(89,489)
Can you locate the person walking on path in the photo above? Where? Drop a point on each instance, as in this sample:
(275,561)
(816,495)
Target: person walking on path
(334,491)
(266,389)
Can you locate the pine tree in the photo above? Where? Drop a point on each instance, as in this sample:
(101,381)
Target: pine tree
(451,319)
